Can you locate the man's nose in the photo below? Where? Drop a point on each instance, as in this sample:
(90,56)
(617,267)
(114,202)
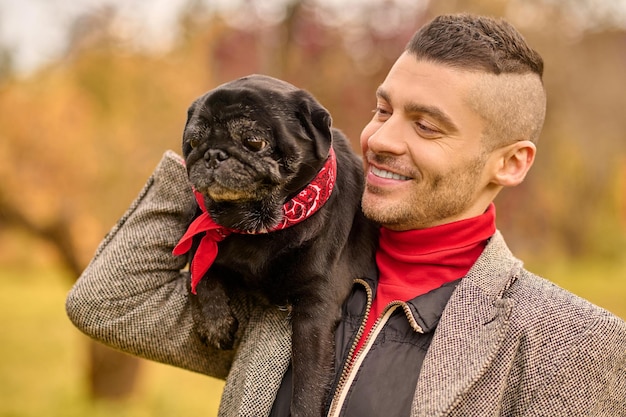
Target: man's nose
(390,136)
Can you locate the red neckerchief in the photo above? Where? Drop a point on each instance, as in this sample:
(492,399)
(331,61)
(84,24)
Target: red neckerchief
(299,208)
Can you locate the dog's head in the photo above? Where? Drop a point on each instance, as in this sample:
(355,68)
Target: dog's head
(254,142)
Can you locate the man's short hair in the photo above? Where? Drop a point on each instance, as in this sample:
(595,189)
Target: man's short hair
(510,97)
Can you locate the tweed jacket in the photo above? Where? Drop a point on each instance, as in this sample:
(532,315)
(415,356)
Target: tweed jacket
(509,343)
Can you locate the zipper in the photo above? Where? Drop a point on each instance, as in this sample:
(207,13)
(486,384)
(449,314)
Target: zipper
(352,366)
(334,409)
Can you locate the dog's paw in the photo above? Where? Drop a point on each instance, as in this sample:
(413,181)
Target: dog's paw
(218,332)
(215,322)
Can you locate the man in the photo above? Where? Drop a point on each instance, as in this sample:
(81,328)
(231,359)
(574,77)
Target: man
(452,325)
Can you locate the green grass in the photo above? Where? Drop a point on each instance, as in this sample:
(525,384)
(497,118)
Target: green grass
(43,362)
(43,357)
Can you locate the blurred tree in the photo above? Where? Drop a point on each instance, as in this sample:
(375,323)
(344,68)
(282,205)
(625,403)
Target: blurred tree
(80,137)
(78,140)
(6,63)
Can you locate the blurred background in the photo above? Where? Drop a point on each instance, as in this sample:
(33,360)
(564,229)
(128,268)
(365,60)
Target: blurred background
(92,92)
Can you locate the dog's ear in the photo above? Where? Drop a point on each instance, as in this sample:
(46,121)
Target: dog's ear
(316,122)
(190,112)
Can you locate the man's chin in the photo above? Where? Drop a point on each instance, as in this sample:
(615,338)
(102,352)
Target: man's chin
(375,209)
(392,213)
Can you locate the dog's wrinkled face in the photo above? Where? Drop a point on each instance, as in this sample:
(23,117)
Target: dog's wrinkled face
(231,158)
(255,139)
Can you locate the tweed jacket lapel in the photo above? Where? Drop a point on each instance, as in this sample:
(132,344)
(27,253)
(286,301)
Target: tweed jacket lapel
(471,330)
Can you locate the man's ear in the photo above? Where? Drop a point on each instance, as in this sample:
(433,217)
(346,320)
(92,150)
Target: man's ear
(514,161)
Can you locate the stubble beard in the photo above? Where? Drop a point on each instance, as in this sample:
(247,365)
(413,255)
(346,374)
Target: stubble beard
(431,202)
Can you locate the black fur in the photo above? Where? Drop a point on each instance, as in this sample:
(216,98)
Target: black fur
(249,146)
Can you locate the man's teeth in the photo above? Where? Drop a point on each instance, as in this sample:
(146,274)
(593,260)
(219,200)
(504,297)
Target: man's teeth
(387,174)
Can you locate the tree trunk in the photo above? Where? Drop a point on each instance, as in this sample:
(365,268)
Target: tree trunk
(111,374)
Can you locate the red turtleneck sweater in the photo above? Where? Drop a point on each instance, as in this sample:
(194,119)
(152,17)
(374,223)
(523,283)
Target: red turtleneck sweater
(414,262)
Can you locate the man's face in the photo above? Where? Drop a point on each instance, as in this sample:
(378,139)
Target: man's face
(424,161)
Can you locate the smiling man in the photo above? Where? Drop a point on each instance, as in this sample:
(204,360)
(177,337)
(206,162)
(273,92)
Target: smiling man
(453,325)
(450,323)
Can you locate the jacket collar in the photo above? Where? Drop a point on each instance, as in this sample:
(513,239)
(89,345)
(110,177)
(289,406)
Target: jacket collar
(470,331)
(427,309)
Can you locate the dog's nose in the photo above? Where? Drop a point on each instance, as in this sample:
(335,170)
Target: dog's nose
(213,157)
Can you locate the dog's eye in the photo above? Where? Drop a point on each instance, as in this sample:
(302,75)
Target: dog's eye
(254,144)
(194,142)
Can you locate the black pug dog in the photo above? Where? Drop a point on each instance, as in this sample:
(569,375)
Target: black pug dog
(283,189)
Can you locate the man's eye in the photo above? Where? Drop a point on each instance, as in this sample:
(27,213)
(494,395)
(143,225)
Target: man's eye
(381,112)
(254,143)
(426,130)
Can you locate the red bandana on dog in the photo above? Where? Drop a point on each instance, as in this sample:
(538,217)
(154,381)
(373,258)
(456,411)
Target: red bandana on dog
(299,208)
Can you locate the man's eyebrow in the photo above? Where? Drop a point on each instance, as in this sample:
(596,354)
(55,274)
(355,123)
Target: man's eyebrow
(415,108)
(381,93)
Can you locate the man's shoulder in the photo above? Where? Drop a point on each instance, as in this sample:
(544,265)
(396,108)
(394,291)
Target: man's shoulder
(539,302)
(532,289)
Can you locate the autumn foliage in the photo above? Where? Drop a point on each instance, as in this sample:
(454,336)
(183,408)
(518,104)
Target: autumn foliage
(78,138)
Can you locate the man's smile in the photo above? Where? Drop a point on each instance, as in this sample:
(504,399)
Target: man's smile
(381,173)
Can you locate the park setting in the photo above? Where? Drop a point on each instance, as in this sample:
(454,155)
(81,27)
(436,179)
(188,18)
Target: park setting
(94,92)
